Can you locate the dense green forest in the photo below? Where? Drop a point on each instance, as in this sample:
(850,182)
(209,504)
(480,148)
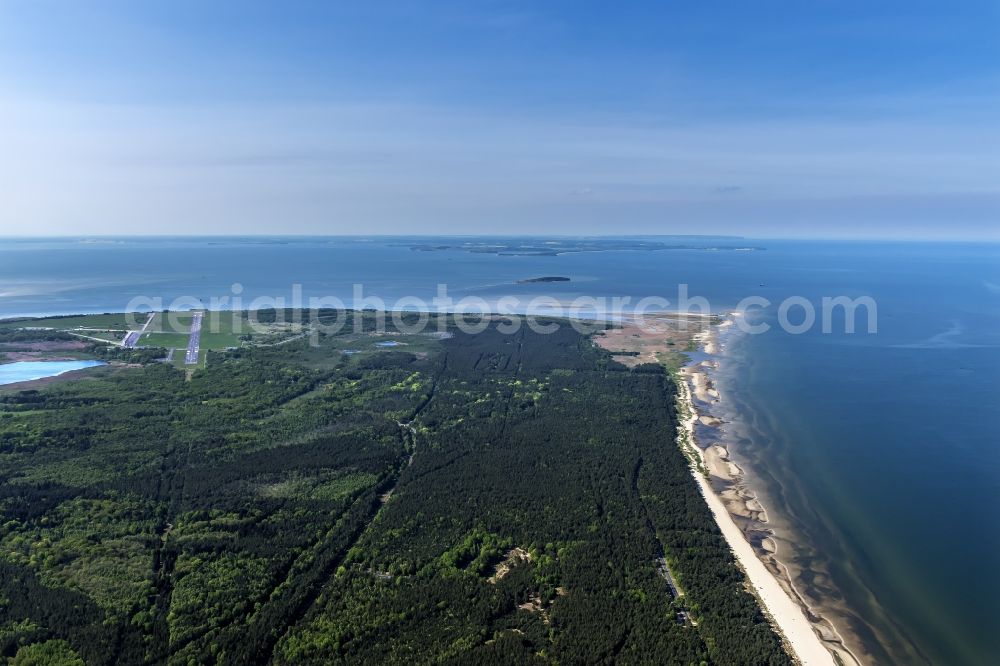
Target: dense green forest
(464,498)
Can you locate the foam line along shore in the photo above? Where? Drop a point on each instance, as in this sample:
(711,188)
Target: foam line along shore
(740,514)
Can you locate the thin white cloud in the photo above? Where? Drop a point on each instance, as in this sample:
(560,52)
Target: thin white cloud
(70,168)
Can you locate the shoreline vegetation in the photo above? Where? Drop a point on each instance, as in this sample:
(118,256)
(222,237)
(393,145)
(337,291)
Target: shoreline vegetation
(809,635)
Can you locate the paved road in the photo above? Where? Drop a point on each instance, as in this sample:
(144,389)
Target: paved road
(132,338)
(194,341)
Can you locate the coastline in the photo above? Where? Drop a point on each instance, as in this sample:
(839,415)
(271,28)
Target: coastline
(810,637)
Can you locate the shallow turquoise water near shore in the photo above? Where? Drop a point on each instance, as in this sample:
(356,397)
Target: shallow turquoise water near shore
(24,371)
(883,450)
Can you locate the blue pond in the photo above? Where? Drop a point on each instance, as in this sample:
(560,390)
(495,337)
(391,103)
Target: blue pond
(24,371)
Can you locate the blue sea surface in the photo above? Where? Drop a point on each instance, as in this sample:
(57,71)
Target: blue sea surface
(881,450)
(884,449)
(24,371)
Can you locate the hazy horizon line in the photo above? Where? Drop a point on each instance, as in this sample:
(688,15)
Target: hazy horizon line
(304,235)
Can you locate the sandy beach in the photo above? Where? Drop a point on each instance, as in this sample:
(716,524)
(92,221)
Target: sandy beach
(809,636)
(783,611)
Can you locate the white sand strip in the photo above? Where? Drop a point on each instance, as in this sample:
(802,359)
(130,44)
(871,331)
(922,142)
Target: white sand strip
(784,612)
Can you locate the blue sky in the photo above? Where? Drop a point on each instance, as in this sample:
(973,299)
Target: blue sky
(795,118)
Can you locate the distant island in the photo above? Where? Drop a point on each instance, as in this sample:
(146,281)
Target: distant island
(543,247)
(547,278)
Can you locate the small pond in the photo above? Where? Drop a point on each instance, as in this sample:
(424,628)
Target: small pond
(24,371)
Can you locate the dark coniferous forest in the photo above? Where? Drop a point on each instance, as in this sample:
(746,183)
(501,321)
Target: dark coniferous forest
(482,499)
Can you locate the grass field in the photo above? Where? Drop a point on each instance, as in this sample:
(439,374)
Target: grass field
(165,340)
(219,330)
(230,323)
(113,337)
(118,322)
